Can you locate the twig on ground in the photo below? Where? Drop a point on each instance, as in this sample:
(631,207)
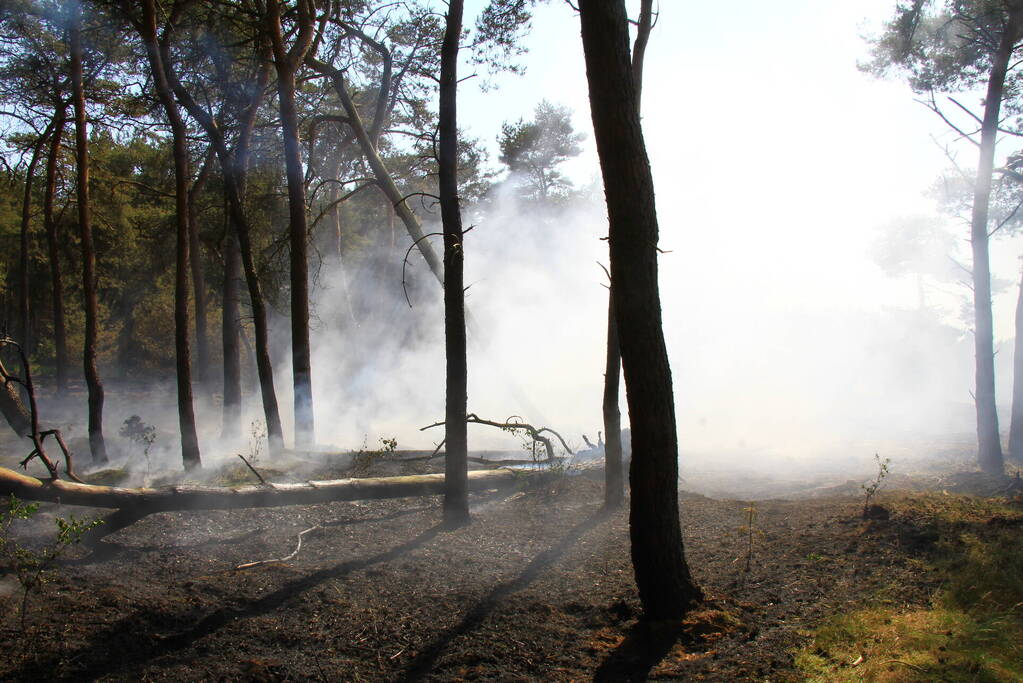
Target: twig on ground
(249,565)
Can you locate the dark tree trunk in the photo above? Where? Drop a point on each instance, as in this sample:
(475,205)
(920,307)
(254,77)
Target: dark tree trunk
(202,344)
(186,412)
(287,63)
(1016,423)
(301,353)
(614,475)
(456,489)
(614,484)
(666,588)
(264,366)
(97,444)
(989,454)
(231,328)
(53,252)
(24,284)
(233,165)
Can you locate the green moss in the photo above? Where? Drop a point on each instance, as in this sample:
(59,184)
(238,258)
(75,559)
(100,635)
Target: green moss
(972,630)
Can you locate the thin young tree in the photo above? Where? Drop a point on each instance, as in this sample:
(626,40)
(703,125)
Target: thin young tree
(666,588)
(97,444)
(24,281)
(456,474)
(147,29)
(233,160)
(53,251)
(287,61)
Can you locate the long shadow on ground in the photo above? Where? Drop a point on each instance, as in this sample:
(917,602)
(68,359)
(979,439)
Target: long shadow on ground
(113,660)
(426,660)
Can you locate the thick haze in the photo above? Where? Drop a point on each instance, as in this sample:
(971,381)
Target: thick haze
(811,295)
(781,171)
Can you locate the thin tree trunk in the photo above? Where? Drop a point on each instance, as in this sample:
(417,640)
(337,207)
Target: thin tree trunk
(379,168)
(666,588)
(230,330)
(614,481)
(287,63)
(456,489)
(233,165)
(97,444)
(186,411)
(264,366)
(614,475)
(202,345)
(989,444)
(53,251)
(24,314)
(301,352)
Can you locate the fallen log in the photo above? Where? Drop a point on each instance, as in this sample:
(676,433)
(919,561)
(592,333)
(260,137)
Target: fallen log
(190,497)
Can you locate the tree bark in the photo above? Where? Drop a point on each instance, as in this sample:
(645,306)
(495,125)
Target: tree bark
(614,484)
(150,500)
(666,588)
(287,63)
(456,491)
(53,252)
(230,331)
(234,164)
(614,475)
(186,411)
(24,284)
(97,444)
(989,453)
(202,344)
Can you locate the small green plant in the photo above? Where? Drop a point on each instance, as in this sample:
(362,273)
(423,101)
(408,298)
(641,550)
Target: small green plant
(871,489)
(34,567)
(750,533)
(388,445)
(141,434)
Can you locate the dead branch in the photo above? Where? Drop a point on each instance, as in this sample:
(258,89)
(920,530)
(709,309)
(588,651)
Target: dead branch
(509,425)
(11,381)
(286,558)
(249,465)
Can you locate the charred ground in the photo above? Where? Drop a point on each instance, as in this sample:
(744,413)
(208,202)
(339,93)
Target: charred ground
(539,587)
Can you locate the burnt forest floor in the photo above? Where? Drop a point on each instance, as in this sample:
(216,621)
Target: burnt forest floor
(538,587)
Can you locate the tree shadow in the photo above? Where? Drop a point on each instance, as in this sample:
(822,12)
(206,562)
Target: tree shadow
(426,660)
(112,660)
(103,550)
(646,644)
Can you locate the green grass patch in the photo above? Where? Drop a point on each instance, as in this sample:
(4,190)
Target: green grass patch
(972,630)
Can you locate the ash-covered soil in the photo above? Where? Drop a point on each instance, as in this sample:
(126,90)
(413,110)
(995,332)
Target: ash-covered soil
(539,587)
